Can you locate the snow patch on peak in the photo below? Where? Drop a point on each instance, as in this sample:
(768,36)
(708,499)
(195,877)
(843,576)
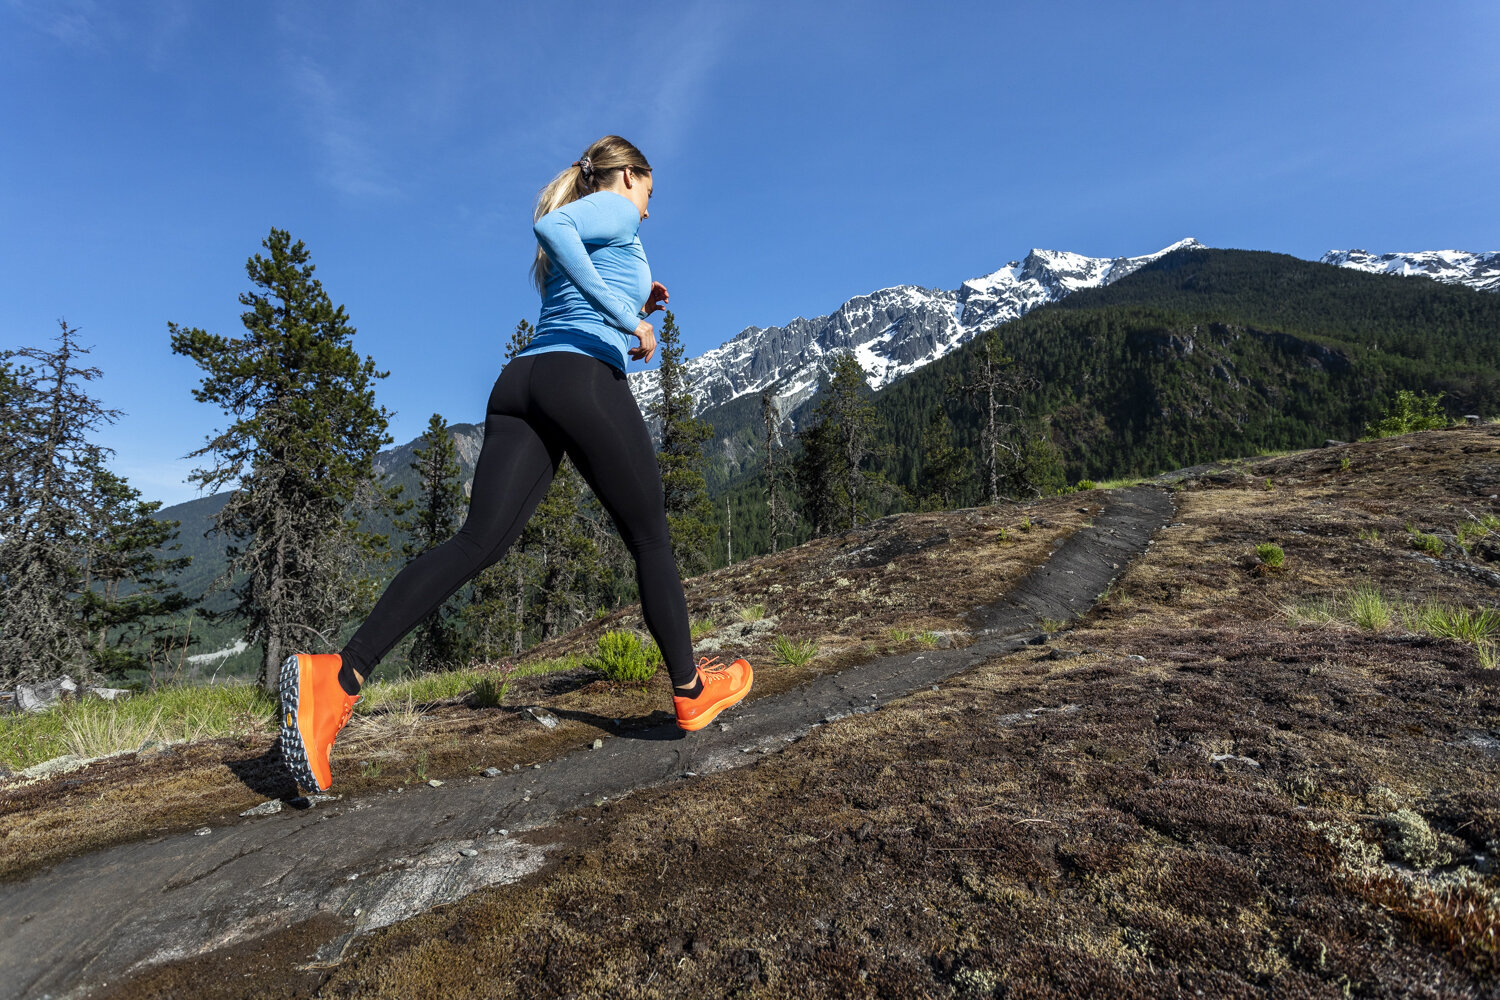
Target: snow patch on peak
(1480,271)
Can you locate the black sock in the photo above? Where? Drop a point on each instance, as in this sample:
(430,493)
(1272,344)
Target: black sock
(347,680)
(691,692)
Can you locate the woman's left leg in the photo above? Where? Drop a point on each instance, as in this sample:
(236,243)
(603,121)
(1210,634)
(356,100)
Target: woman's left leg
(516,464)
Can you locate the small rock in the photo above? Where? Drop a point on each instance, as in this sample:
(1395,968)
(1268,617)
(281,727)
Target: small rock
(57,765)
(150,747)
(515,767)
(492,772)
(1137,657)
(435,783)
(1061,654)
(40,697)
(268,808)
(490,832)
(351,878)
(1220,759)
(505,833)
(598,745)
(313,800)
(358,911)
(536,767)
(108,694)
(1038,639)
(202,831)
(469,852)
(546,718)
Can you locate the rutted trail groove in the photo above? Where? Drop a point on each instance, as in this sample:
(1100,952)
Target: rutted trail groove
(370,862)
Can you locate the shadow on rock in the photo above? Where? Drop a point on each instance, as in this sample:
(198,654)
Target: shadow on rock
(265,775)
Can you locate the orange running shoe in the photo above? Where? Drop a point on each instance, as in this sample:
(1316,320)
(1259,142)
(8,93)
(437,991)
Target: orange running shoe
(313,710)
(722,687)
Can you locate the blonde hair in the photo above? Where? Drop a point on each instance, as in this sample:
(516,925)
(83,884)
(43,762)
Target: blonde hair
(595,169)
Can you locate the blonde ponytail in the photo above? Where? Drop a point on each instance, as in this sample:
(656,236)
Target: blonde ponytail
(593,170)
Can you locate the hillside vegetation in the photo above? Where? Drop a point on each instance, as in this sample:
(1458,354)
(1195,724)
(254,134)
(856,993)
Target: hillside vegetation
(1201,355)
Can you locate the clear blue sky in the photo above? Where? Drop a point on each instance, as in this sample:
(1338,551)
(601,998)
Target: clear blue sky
(804,153)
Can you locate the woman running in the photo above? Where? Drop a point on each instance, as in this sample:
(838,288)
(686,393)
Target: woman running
(566,393)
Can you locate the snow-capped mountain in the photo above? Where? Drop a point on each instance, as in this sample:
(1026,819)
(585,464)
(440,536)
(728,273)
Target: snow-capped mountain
(1480,271)
(892,332)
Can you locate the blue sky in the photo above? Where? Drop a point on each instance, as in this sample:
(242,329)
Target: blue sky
(804,153)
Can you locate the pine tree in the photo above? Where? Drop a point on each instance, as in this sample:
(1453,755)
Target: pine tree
(690,515)
(995,384)
(946,469)
(773,468)
(127,598)
(494,617)
(304,439)
(819,476)
(47,477)
(436,514)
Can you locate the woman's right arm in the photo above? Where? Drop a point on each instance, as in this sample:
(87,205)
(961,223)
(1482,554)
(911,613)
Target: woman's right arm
(562,234)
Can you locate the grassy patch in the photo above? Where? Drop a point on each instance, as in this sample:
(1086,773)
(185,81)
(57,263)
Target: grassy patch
(790,653)
(1368,609)
(93,728)
(750,612)
(1463,624)
(623,657)
(699,627)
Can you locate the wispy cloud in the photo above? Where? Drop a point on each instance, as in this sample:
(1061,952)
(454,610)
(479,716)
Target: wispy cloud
(350,161)
(79,24)
(688,62)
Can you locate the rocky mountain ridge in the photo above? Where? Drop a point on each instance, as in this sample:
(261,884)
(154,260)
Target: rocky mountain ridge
(893,331)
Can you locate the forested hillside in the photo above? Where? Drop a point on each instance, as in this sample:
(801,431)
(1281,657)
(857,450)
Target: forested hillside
(1203,354)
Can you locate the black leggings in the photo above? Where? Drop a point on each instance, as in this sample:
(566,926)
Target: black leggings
(542,406)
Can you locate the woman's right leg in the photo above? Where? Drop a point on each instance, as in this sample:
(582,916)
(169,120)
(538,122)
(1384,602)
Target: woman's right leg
(516,464)
(591,406)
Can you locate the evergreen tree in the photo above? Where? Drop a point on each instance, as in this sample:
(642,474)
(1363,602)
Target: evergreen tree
(690,515)
(47,475)
(305,435)
(996,385)
(439,508)
(819,476)
(946,469)
(562,554)
(773,469)
(126,599)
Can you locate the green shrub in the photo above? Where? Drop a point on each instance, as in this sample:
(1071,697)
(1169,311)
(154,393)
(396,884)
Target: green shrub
(1085,484)
(793,654)
(1270,554)
(1270,486)
(1409,411)
(621,656)
(1344,464)
(1431,544)
(1369,534)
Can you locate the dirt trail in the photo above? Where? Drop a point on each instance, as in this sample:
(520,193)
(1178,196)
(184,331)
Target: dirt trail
(363,864)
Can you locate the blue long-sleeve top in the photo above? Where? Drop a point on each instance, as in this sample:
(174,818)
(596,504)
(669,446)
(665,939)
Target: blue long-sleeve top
(598,280)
